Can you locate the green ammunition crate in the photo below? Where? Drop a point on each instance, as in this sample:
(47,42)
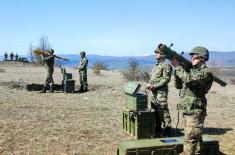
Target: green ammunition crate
(163,146)
(134,100)
(139,124)
(68,86)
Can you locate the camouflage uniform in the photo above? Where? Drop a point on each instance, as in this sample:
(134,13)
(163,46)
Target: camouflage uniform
(195,83)
(83,72)
(160,77)
(49,63)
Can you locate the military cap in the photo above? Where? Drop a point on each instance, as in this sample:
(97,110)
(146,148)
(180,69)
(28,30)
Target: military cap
(82,53)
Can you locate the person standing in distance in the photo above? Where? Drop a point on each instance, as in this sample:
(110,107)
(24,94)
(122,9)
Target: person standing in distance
(82,68)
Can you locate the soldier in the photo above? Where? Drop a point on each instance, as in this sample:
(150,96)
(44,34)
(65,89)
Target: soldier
(11,56)
(16,57)
(83,72)
(195,84)
(160,77)
(49,63)
(5,56)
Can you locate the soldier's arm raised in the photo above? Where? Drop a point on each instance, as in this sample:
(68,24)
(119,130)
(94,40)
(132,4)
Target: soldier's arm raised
(61,58)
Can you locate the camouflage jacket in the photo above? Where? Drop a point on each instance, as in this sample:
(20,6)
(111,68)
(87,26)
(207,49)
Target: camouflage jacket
(83,64)
(196,84)
(49,61)
(161,76)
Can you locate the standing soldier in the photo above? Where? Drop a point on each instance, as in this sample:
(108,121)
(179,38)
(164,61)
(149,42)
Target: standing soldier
(5,56)
(83,72)
(49,63)
(16,57)
(160,77)
(195,84)
(11,56)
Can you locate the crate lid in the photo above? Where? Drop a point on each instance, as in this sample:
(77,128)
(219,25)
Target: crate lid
(132,88)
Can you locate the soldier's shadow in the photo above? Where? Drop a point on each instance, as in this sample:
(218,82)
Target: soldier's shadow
(216,131)
(208,131)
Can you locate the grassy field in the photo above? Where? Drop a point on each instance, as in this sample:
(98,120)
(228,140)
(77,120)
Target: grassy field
(87,123)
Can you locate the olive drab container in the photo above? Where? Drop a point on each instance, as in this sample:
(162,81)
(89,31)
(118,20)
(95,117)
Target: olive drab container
(139,124)
(138,120)
(135,101)
(163,146)
(68,85)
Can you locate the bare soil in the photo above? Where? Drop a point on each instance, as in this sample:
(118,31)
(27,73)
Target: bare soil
(87,123)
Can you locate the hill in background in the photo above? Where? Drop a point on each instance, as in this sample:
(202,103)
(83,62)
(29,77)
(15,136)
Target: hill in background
(222,59)
(217,59)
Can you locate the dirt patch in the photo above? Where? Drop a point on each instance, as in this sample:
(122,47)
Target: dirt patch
(13,84)
(2,70)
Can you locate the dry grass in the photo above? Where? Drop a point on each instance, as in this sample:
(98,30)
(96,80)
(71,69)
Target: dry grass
(87,123)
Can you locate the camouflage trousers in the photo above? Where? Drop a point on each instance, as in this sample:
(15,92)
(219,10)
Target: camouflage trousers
(193,124)
(83,79)
(163,118)
(49,79)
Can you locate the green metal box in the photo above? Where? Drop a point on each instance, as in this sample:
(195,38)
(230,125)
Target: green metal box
(163,146)
(139,124)
(134,100)
(68,86)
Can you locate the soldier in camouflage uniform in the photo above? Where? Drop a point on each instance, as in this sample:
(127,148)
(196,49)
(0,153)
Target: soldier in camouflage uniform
(49,63)
(194,85)
(83,72)
(5,56)
(160,77)
(16,57)
(11,56)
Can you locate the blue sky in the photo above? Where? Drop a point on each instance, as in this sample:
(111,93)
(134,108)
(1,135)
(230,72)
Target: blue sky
(117,28)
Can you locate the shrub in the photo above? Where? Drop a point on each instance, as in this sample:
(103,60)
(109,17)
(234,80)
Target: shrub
(134,73)
(98,66)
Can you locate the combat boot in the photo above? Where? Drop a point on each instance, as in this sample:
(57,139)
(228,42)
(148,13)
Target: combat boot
(52,89)
(81,89)
(85,89)
(167,132)
(43,90)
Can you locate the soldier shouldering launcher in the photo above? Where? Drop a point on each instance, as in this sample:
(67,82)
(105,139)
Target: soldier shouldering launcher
(48,58)
(195,83)
(160,77)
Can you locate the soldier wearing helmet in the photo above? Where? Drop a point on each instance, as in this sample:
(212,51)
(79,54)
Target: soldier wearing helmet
(158,84)
(195,84)
(83,72)
(49,60)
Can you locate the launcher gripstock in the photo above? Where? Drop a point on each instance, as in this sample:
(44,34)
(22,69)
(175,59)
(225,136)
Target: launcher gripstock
(185,63)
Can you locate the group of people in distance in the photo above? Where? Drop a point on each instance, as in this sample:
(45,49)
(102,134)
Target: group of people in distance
(194,84)
(11,56)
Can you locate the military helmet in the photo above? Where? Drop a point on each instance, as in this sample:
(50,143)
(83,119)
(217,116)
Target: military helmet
(201,51)
(82,53)
(50,51)
(158,51)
